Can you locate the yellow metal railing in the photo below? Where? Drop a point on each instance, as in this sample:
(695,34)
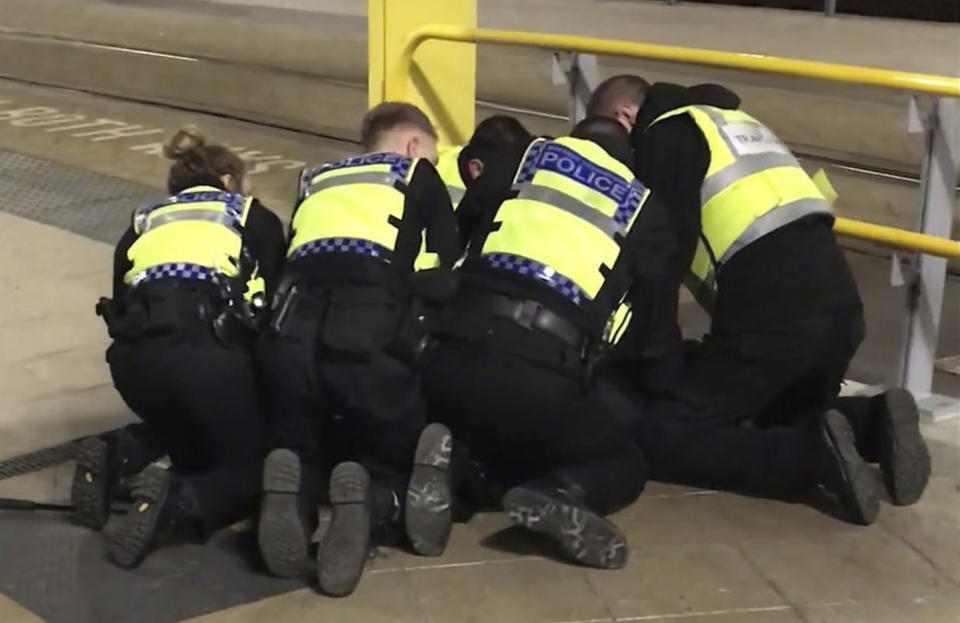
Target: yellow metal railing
(398,79)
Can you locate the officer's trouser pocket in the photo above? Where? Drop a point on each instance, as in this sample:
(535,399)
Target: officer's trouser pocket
(359,320)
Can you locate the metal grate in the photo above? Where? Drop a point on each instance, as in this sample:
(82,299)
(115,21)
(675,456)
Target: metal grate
(90,204)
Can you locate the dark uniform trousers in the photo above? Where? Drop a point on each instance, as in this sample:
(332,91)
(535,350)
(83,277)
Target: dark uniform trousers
(524,421)
(198,403)
(339,393)
(743,412)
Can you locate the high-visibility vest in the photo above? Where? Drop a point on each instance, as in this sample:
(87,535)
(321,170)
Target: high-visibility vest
(448,166)
(196,235)
(574,207)
(351,206)
(753,186)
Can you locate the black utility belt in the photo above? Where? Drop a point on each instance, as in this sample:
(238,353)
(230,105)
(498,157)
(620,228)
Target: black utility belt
(528,314)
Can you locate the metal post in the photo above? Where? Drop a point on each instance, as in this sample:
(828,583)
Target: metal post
(579,74)
(940,124)
(830,8)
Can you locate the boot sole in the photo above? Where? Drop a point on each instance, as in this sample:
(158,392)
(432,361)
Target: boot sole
(281,533)
(429,512)
(131,543)
(343,549)
(906,461)
(859,495)
(89,494)
(587,537)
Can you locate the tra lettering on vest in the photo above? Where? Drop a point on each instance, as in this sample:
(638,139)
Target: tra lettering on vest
(566,162)
(747,138)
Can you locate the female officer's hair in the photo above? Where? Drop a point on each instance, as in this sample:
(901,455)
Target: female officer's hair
(615,92)
(196,163)
(388,116)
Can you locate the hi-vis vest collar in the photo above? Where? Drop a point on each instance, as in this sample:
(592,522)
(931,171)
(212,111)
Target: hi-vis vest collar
(183,207)
(554,173)
(753,186)
(175,238)
(316,179)
(546,155)
(448,166)
(349,206)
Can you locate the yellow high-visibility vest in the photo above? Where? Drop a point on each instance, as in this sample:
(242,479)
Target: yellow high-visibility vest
(575,205)
(352,206)
(196,235)
(753,186)
(448,166)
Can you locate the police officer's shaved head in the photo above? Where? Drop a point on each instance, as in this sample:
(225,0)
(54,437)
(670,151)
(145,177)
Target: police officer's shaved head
(619,98)
(399,127)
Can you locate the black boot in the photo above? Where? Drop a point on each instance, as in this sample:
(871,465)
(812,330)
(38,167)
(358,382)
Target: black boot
(343,549)
(900,449)
(558,512)
(844,473)
(94,481)
(162,507)
(429,513)
(284,530)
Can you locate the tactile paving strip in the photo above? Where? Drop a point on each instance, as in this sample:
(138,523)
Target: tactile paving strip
(90,204)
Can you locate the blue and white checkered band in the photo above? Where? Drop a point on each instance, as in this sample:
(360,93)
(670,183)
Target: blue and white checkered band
(175,270)
(399,165)
(535,270)
(557,158)
(343,245)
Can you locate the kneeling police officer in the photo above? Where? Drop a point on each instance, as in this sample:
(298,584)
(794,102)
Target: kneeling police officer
(189,279)
(557,265)
(340,357)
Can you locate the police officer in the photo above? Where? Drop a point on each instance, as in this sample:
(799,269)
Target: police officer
(572,247)
(188,275)
(345,335)
(756,242)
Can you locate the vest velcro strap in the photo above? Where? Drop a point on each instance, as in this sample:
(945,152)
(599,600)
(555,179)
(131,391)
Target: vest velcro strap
(569,204)
(357,246)
(742,167)
(773,220)
(541,272)
(221,218)
(387,178)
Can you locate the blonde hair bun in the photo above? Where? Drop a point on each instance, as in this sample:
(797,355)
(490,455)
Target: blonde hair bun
(185,141)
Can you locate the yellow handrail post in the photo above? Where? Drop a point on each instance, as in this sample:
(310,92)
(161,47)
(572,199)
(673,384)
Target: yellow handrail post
(440,78)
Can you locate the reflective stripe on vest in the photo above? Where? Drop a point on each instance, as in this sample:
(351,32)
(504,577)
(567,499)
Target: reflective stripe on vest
(194,235)
(350,206)
(574,204)
(753,186)
(448,166)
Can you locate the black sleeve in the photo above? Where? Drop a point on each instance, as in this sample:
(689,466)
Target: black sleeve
(429,196)
(672,159)
(652,341)
(263,236)
(122,263)
(485,195)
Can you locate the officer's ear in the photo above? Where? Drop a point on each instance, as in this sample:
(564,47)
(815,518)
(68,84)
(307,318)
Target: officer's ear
(474,168)
(626,116)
